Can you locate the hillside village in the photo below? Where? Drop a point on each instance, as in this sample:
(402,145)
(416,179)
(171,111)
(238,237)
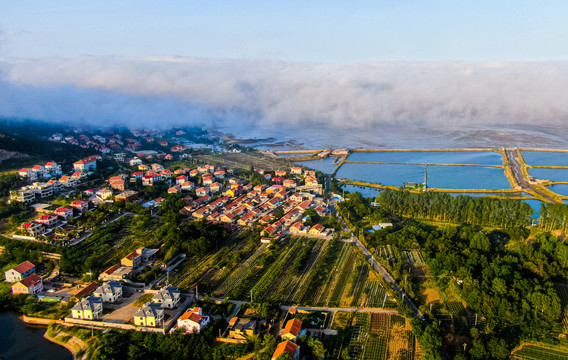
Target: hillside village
(278,203)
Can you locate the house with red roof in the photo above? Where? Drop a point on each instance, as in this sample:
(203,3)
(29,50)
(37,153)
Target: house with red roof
(179,148)
(80,205)
(181,179)
(287,347)
(201,191)
(193,321)
(296,170)
(20,272)
(64,212)
(47,220)
(174,190)
(188,185)
(215,187)
(34,229)
(133,259)
(292,329)
(289,183)
(32,284)
(317,229)
(87,164)
(280,172)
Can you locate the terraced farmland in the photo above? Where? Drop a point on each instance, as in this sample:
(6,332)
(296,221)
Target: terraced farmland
(540,352)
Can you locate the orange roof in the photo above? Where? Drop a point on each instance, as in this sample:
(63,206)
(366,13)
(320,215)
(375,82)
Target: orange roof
(293,327)
(24,170)
(23,267)
(286,346)
(318,227)
(112,269)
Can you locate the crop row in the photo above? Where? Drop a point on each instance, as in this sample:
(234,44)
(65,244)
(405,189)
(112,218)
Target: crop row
(375,348)
(275,270)
(535,352)
(236,276)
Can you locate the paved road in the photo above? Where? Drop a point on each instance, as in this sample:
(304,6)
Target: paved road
(523,182)
(379,268)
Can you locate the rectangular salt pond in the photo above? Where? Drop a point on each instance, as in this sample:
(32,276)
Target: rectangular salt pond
(546,158)
(326,166)
(467,177)
(444,177)
(390,174)
(365,191)
(561,189)
(433,157)
(549,174)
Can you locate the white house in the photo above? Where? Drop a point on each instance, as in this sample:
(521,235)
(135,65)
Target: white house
(20,272)
(110,291)
(169,297)
(193,321)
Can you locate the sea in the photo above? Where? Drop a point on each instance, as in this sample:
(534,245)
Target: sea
(20,341)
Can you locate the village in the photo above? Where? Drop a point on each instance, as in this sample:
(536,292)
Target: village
(280,204)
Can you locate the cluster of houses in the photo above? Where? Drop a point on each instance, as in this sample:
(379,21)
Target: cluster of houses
(53,179)
(47,222)
(245,205)
(290,334)
(25,279)
(150,314)
(129,264)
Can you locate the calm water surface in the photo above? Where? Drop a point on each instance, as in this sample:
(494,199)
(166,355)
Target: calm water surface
(19,341)
(366,191)
(434,157)
(550,174)
(467,177)
(544,158)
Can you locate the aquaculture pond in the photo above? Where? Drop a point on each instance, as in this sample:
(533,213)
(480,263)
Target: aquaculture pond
(546,158)
(326,166)
(366,191)
(433,157)
(388,174)
(467,177)
(561,189)
(549,174)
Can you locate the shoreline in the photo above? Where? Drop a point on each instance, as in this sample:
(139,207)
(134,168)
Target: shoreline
(66,345)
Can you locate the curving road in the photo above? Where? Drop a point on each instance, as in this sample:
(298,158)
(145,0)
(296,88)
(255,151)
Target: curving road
(516,169)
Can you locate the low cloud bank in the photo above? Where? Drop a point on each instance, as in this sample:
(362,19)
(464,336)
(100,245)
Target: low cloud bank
(165,91)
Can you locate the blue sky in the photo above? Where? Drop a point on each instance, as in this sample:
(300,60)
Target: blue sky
(320,31)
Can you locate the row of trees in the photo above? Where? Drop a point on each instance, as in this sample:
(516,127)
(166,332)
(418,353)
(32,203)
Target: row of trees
(461,209)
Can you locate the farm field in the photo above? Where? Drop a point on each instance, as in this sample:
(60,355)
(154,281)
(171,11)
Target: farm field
(413,258)
(372,336)
(300,270)
(540,352)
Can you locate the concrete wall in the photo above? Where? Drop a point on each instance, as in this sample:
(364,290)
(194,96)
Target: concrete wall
(40,321)
(106,324)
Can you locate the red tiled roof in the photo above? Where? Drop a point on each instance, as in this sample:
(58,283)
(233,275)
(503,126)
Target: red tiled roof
(87,290)
(132,255)
(23,267)
(293,327)
(31,280)
(286,346)
(112,269)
